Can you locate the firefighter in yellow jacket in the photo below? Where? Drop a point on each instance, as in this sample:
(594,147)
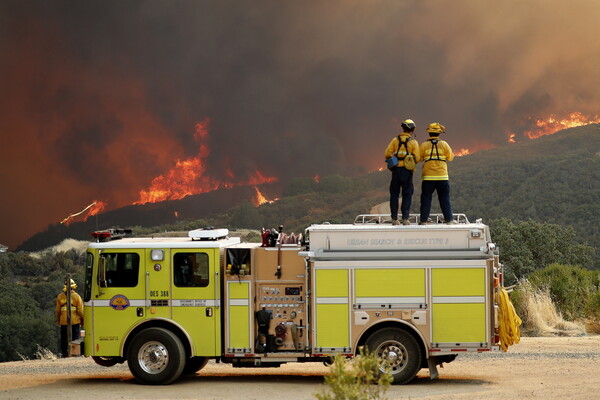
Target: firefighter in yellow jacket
(402,178)
(76,316)
(435,154)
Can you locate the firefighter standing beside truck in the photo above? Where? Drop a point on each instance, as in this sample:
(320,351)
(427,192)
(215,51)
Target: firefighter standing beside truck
(402,178)
(76,316)
(435,153)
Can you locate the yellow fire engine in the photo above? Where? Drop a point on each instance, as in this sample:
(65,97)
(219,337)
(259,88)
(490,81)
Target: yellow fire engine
(416,295)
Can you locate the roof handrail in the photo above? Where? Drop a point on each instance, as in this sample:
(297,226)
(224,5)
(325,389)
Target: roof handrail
(413,218)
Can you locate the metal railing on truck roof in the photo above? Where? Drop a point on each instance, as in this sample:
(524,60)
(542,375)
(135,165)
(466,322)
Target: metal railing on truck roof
(413,218)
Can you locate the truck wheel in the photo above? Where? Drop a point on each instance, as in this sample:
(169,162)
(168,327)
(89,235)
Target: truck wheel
(194,364)
(399,350)
(156,357)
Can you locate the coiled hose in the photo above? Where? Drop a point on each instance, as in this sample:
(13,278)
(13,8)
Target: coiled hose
(508,321)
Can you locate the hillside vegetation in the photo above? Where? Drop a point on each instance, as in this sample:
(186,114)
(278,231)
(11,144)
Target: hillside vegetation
(552,179)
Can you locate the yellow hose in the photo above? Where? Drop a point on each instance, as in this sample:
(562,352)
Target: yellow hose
(508,321)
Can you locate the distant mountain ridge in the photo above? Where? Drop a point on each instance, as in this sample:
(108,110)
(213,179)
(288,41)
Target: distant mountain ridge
(552,179)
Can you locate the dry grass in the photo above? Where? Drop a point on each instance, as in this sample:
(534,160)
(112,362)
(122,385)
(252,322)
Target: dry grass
(541,318)
(65,245)
(42,353)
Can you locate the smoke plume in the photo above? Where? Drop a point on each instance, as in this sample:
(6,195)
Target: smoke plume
(100,98)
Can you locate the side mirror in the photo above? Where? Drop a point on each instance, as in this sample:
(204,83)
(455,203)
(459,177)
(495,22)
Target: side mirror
(102,272)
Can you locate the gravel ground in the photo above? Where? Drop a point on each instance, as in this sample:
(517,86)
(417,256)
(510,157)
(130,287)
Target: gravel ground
(551,368)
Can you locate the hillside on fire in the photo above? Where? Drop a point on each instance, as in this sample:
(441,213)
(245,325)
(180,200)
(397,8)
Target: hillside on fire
(552,179)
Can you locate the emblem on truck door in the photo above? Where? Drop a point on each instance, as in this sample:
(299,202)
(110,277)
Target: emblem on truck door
(119,302)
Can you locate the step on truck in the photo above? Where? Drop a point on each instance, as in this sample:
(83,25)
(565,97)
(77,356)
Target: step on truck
(415,295)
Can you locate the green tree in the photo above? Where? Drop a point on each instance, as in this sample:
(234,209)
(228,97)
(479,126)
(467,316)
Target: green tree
(246,216)
(28,289)
(22,325)
(528,246)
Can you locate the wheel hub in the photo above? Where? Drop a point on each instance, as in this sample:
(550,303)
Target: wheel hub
(153,357)
(394,354)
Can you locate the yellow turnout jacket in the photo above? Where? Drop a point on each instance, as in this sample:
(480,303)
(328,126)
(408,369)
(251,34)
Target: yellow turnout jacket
(392,148)
(76,308)
(434,161)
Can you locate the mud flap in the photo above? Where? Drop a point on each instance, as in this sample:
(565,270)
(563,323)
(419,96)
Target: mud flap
(433,372)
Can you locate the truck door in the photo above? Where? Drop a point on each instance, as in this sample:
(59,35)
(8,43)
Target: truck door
(196,298)
(119,292)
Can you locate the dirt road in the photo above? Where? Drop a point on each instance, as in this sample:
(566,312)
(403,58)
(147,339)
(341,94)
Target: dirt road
(548,368)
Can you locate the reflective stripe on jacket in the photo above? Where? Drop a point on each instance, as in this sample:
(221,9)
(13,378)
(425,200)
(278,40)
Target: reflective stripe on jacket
(434,162)
(76,308)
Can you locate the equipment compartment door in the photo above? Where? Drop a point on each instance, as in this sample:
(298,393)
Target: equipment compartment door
(394,287)
(196,296)
(332,327)
(239,337)
(459,306)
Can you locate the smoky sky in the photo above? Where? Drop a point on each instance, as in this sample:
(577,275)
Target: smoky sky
(99,97)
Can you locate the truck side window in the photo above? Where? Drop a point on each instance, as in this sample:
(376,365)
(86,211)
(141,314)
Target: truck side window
(190,270)
(122,269)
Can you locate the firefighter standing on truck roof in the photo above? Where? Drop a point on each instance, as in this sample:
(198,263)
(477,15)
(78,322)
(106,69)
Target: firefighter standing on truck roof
(402,178)
(76,316)
(435,153)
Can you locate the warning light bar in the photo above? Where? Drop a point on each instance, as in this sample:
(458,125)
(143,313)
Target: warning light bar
(110,234)
(208,233)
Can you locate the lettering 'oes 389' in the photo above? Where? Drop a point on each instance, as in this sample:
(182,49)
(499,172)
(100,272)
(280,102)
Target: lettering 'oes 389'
(119,302)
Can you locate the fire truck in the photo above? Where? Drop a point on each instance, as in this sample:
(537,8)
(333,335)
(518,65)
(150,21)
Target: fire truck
(415,295)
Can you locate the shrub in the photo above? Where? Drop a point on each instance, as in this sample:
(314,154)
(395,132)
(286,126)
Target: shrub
(573,289)
(357,379)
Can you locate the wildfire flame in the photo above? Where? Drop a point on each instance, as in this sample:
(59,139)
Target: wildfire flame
(188,177)
(93,209)
(553,124)
(317,178)
(462,152)
(261,199)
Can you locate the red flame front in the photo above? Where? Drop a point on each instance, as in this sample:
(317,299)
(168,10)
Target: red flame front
(552,124)
(462,152)
(261,199)
(188,177)
(93,209)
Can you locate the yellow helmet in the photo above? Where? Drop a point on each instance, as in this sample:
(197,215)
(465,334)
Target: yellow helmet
(73,285)
(436,127)
(408,125)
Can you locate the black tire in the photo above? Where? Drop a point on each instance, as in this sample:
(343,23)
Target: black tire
(400,349)
(156,357)
(194,364)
